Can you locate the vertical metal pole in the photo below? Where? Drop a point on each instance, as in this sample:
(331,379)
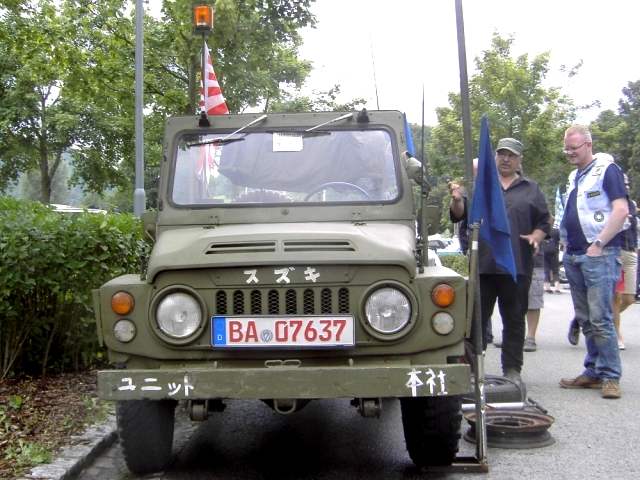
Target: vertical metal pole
(464,97)
(473,304)
(473,311)
(424,227)
(373,64)
(203,71)
(139,195)
(422,159)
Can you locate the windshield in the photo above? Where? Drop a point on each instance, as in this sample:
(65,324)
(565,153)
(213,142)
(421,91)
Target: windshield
(285,167)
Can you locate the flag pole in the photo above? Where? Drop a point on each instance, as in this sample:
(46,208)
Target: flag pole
(203,69)
(473,302)
(464,97)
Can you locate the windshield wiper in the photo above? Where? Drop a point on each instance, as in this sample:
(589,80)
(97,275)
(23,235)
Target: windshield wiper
(217,141)
(302,133)
(226,138)
(342,117)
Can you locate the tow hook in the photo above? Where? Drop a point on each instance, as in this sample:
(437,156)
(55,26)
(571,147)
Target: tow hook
(368,407)
(285,406)
(199,409)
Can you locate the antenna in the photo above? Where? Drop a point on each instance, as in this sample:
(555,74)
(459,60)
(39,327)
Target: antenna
(373,63)
(422,134)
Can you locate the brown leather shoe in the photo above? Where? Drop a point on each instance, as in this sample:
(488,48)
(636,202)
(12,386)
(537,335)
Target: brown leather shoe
(581,381)
(611,389)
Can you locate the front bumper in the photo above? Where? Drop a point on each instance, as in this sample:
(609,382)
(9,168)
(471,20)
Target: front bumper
(285,382)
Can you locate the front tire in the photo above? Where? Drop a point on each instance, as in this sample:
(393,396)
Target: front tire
(145,428)
(431,429)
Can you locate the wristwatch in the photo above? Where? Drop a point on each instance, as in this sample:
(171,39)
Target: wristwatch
(598,242)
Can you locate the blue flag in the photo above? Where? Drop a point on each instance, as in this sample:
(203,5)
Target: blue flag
(407,133)
(488,205)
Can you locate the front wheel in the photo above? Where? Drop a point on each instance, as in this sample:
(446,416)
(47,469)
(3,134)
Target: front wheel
(145,428)
(431,429)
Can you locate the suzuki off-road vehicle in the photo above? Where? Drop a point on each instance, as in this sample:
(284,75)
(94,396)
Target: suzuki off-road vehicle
(289,264)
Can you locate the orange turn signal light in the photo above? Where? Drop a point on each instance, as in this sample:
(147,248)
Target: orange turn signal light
(122,303)
(203,17)
(443,295)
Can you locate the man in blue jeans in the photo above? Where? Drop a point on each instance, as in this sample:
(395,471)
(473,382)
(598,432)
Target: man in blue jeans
(594,217)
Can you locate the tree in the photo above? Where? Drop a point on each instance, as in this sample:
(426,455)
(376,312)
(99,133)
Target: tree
(619,134)
(39,118)
(254,48)
(67,79)
(510,91)
(319,101)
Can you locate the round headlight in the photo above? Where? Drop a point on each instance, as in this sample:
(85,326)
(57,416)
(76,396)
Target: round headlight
(179,315)
(388,310)
(442,323)
(124,330)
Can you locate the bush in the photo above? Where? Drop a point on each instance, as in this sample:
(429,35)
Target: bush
(458,263)
(50,264)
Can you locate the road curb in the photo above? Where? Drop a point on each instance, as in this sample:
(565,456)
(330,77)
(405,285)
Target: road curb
(81,452)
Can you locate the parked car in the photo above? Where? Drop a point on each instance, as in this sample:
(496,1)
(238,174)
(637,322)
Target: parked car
(452,247)
(436,245)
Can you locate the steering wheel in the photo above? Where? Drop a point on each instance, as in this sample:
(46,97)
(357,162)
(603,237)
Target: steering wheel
(339,185)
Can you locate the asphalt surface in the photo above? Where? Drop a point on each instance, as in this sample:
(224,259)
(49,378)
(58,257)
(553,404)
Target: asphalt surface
(594,437)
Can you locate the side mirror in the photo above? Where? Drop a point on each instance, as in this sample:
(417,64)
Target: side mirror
(414,169)
(432,216)
(149,219)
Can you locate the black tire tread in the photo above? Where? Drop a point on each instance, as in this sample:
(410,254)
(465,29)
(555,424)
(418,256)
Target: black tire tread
(145,428)
(431,429)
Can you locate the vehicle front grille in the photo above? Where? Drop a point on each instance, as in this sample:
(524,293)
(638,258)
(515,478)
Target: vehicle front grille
(291,301)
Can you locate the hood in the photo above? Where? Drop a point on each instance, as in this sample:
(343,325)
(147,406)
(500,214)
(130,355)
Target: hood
(283,243)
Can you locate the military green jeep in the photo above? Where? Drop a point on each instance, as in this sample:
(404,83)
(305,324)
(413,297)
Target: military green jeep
(287,266)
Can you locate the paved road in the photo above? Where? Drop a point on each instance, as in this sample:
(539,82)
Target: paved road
(595,438)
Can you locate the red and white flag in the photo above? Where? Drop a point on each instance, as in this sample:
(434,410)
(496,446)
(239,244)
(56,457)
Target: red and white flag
(211,99)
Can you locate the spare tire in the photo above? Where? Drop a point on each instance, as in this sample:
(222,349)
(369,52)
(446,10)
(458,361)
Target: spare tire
(499,389)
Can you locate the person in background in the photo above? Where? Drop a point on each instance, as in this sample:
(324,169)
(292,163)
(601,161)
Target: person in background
(594,217)
(458,208)
(529,224)
(535,302)
(638,252)
(551,257)
(625,295)
(561,198)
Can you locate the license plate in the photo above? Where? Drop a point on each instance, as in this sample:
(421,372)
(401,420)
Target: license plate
(279,331)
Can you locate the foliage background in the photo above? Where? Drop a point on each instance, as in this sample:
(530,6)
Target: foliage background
(50,264)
